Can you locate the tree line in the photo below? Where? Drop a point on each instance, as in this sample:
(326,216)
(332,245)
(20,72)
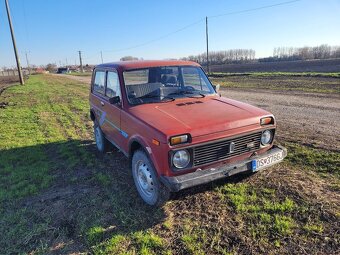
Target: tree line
(224,57)
(323,51)
(234,56)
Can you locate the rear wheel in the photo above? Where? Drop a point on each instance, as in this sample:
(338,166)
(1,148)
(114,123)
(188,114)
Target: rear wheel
(103,145)
(150,189)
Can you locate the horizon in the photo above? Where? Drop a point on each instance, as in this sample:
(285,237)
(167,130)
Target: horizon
(54,34)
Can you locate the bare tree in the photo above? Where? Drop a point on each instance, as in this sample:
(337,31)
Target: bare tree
(128,58)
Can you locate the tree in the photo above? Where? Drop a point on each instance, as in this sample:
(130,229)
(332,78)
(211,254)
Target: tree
(128,58)
(51,67)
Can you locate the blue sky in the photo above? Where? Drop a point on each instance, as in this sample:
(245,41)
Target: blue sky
(53,31)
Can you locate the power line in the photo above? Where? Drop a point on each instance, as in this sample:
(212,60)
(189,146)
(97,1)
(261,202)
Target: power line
(254,9)
(158,38)
(199,21)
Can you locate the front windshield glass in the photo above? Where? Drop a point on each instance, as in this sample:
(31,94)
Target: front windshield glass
(166,83)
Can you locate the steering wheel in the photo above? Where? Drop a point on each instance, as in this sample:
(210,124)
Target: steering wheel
(189,88)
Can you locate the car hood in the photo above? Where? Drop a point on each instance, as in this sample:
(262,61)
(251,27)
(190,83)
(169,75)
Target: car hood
(199,116)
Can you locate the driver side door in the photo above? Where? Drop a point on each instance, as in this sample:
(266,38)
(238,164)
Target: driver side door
(113,111)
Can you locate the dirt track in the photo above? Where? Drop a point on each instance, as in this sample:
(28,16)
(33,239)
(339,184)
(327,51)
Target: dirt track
(309,118)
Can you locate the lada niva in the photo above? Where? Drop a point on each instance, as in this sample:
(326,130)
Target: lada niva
(175,128)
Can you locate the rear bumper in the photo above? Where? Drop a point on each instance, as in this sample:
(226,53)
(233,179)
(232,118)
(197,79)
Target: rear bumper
(184,181)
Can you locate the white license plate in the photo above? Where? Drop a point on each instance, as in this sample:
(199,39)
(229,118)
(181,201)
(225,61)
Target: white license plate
(257,164)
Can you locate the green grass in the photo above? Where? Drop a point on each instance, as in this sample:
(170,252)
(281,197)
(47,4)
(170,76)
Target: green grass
(141,242)
(275,74)
(58,195)
(274,215)
(321,161)
(41,114)
(80,74)
(306,82)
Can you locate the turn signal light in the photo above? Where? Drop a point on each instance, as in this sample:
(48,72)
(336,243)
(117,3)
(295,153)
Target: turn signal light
(267,121)
(156,142)
(179,139)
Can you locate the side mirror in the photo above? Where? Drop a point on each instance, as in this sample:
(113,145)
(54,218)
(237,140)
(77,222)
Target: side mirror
(114,100)
(217,87)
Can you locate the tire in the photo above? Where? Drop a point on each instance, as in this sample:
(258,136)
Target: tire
(103,145)
(150,189)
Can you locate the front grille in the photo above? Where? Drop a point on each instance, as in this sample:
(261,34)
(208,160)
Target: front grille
(216,151)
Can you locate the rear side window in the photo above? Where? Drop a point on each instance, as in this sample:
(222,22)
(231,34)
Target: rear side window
(112,88)
(99,82)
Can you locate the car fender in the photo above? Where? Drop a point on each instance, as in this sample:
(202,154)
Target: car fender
(147,148)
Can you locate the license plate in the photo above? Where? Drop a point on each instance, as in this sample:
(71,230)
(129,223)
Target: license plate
(257,164)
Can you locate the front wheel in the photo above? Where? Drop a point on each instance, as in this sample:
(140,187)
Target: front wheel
(150,189)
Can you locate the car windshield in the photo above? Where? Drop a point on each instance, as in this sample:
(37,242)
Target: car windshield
(166,83)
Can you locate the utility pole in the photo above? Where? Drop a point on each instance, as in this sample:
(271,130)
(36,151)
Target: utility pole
(28,64)
(101,55)
(14,44)
(207,39)
(81,62)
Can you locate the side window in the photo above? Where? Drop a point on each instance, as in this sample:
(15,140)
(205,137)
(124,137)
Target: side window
(99,82)
(112,88)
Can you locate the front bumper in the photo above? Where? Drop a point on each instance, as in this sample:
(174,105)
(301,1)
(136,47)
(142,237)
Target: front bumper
(184,181)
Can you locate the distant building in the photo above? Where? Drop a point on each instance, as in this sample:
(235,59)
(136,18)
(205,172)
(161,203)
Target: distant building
(40,70)
(63,70)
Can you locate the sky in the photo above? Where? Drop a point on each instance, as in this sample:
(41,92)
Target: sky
(51,31)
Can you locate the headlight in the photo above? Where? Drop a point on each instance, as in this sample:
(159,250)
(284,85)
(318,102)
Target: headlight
(181,159)
(266,137)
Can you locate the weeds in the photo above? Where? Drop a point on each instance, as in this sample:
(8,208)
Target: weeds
(322,161)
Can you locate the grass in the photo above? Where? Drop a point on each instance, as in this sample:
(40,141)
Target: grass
(280,74)
(58,195)
(321,161)
(303,82)
(38,116)
(80,74)
(274,215)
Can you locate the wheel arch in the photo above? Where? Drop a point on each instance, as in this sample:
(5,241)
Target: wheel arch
(137,143)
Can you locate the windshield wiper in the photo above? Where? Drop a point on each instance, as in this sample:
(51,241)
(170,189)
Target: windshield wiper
(158,97)
(186,92)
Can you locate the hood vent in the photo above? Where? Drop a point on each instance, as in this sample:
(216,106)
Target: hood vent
(189,103)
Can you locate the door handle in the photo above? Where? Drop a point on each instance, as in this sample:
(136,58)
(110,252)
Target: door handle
(102,103)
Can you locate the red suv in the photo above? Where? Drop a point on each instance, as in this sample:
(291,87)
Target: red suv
(177,131)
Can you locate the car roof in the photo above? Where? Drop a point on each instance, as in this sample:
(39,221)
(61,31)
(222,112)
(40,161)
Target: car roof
(130,65)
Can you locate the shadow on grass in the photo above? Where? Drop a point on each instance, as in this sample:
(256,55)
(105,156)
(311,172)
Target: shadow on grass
(76,198)
(65,197)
